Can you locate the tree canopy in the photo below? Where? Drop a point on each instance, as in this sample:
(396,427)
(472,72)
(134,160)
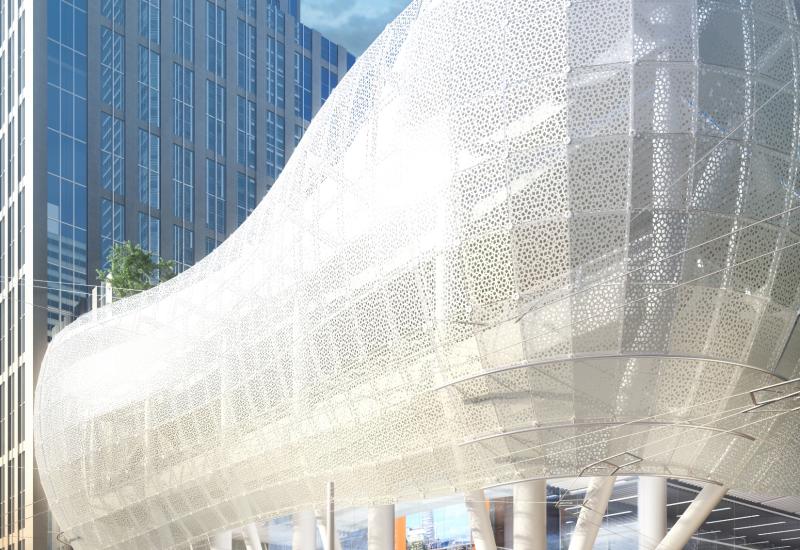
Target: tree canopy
(133,269)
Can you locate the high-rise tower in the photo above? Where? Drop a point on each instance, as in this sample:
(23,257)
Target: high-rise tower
(161,122)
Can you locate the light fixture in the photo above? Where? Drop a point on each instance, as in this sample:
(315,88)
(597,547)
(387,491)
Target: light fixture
(715,510)
(759,525)
(779,532)
(731,519)
(624,498)
(679,503)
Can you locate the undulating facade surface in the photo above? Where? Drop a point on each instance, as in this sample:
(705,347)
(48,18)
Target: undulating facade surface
(521,239)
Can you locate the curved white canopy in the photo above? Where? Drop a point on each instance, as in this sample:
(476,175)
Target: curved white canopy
(522,239)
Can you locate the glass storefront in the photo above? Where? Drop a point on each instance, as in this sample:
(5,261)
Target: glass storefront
(444,523)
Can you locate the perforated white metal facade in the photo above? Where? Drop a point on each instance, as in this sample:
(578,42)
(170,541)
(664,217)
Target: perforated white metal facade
(522,239)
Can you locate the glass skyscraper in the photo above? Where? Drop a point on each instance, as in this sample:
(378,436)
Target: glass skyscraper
(162,122)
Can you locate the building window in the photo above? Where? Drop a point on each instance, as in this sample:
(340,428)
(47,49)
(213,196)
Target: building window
(112,154)
(302,87)
(245,197)
(149,233)
(21,230)
(182,247)
(21,488)
(215,39)
(328,81)
(245,132)
(183,28)
(114,10)
(112,227)
(329,51)
(2,419)
(149,169)
(293,11)
(248,7)
(3,283)
(149,86)
(215,109)
(112,68)
(3,79)
(298,134)
(351,60)
(11,69)
(10,355)
(9,335)
(275,17)
(150,20)
(21,125)
(276,72)
(183,184)
(21,53)
(246,57)
(211,244)
(276,144)
(183,102)
(10,475)
(66,158)
(303,36)
(21,393)
(215,196)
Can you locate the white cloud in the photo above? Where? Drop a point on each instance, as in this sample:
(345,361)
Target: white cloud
(351,23)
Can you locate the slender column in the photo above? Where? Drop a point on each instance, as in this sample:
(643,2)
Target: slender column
(591,517)
(304,530)
(380,527)
(694,516)
(323,535)
(330,522)
(252,539)
(108,298)
(479,521)
(222,541)
(530,515)
(652,511)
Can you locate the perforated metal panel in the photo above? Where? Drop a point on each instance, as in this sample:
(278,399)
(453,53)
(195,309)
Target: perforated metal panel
(521,239)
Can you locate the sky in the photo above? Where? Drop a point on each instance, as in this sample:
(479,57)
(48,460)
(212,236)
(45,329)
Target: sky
(352,23)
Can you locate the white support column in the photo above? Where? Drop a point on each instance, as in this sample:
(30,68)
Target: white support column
(252,540)
(304,530)
(530,515)
(108,297)
(380,527)
(694,516)
(479,521)
(322,529)
(330,519)
(591,517)
(652,511)
(222,541)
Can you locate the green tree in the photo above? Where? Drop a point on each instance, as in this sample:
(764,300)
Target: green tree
(133,269)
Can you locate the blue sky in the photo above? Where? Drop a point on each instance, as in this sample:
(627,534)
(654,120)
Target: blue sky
(351,23)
